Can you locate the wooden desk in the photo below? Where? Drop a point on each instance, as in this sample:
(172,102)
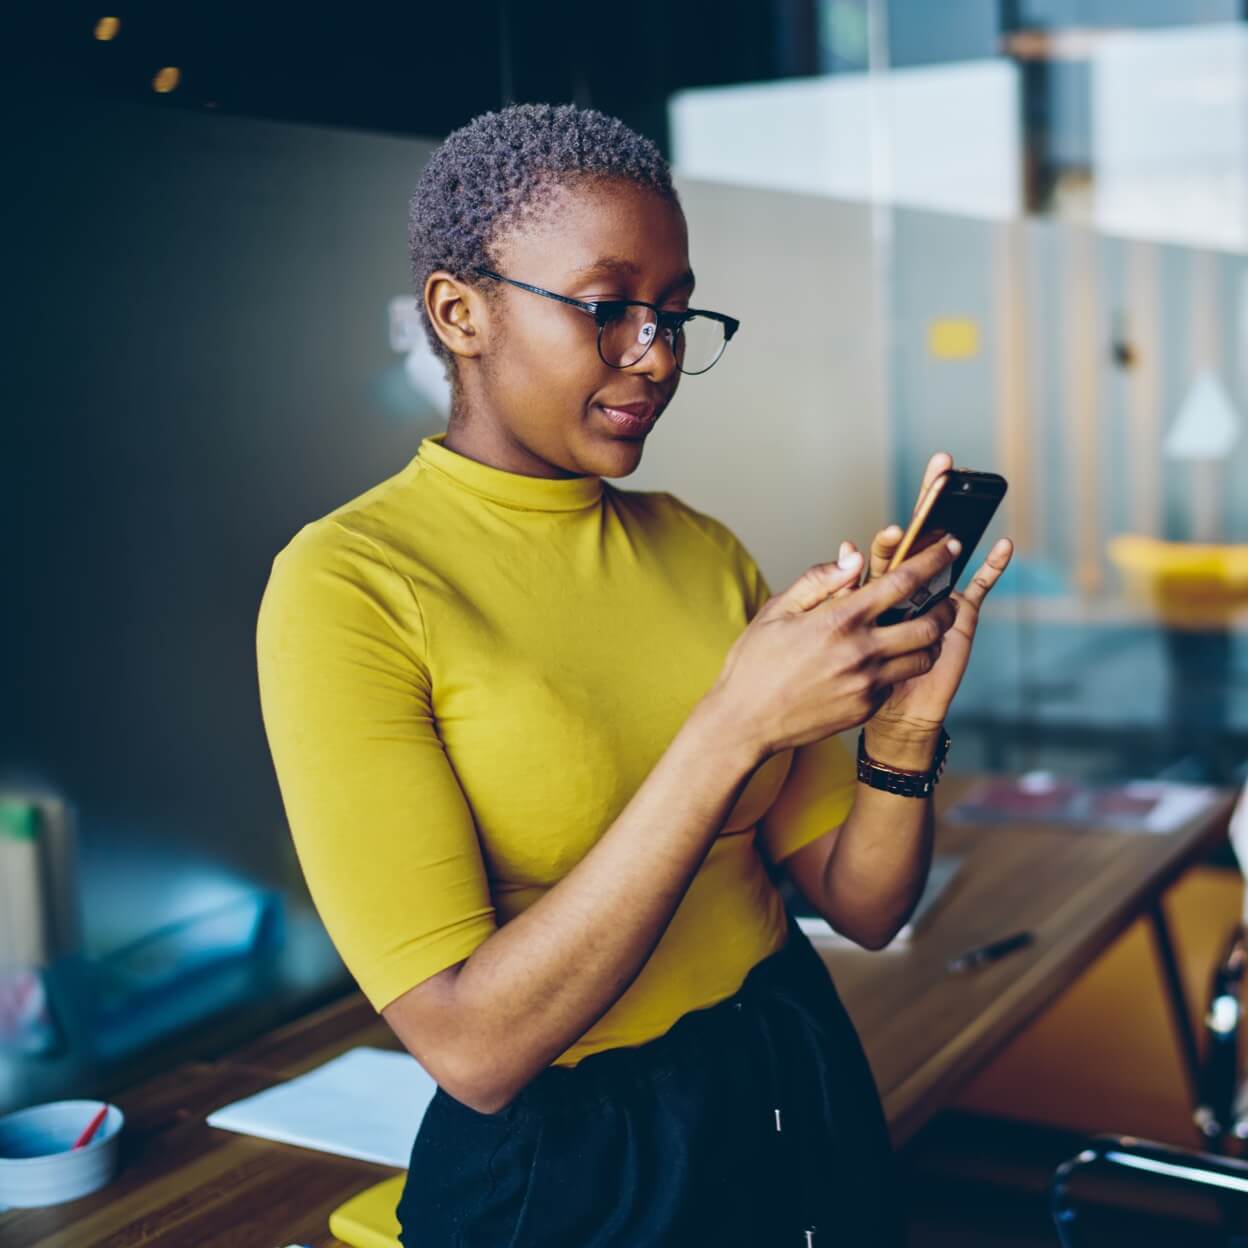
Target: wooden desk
(926,1031)
(183,1184)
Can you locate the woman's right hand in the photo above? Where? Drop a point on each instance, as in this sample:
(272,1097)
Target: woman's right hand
(811,663)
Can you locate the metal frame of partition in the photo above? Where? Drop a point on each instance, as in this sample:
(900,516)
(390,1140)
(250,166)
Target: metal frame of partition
(1222,1174)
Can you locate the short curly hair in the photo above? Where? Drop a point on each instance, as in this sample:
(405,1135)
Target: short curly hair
(489,175)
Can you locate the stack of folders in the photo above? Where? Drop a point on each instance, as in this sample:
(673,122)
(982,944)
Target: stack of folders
(40,915)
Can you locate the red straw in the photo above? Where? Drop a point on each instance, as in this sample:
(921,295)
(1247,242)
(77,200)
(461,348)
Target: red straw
(90,1128)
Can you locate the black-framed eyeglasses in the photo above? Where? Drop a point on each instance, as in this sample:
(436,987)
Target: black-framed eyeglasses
(627,328)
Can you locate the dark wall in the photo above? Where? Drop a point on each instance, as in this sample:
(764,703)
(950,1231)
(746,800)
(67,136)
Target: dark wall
(419,68)
(199,364)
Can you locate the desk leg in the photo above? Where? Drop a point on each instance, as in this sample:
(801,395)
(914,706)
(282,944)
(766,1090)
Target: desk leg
(1178,1000)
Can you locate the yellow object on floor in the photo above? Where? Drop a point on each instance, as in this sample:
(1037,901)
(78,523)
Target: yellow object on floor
(368,1219)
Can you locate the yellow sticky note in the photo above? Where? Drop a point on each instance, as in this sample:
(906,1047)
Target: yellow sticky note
(953,338)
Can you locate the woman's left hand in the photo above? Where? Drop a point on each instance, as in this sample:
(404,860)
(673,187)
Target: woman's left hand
(916,709)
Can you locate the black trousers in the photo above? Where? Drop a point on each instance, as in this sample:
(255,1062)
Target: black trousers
(752,1123)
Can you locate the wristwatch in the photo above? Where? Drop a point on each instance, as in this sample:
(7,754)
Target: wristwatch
(903,783)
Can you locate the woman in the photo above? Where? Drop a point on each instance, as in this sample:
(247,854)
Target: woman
(535,735)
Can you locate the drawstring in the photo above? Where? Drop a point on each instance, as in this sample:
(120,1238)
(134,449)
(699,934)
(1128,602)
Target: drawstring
(787,1148)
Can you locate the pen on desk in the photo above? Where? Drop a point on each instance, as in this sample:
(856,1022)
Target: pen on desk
(991,952)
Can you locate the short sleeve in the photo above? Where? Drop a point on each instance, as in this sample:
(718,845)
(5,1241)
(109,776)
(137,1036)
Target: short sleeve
(383,833)
(817,796)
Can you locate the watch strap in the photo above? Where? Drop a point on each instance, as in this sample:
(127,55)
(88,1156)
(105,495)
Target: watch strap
(894,780)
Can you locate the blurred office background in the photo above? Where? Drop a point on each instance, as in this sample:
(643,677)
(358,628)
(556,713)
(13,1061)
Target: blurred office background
(1013,229)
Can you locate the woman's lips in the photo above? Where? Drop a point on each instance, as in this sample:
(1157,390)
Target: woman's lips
(629,420)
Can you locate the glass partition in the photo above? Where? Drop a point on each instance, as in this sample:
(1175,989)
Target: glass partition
(1058,204)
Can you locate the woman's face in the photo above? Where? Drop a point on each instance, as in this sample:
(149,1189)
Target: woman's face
(537,407)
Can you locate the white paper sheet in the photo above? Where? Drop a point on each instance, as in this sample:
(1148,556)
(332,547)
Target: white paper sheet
(367,1103)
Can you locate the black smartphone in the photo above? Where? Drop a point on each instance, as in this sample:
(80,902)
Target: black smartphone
(960,504)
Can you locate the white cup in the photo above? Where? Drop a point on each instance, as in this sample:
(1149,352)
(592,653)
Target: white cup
(38,1163)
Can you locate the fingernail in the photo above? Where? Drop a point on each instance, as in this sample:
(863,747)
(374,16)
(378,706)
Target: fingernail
(893,532)
(848,562)
(841,552)
(955,546)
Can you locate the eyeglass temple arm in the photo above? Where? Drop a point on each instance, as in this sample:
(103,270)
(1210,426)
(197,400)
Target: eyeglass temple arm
(585,305)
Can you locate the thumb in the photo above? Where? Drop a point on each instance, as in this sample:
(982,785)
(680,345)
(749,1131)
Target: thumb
(821,581)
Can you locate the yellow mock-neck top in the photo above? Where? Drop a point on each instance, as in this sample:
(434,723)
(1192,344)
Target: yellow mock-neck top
(465,675)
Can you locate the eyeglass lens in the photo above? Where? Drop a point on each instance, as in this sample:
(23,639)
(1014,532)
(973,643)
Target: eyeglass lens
(627,337)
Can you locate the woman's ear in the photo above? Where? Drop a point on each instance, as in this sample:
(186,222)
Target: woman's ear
(456,311)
